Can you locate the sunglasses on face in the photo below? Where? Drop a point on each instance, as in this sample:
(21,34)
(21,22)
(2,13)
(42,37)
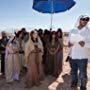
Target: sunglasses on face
(85,19)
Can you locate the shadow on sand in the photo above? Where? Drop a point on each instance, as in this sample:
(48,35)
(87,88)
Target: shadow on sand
(65,85)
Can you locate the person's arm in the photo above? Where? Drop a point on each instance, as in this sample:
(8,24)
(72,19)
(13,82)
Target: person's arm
(87,38)
(70,42)
(77,38)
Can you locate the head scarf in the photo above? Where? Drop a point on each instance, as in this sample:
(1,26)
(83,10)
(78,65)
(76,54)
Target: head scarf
(78,20)
(29,46)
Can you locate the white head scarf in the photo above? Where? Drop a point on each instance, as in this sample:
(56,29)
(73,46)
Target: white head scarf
(78,20)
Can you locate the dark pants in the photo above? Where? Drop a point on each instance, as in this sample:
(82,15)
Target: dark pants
(3,64)
(80,65)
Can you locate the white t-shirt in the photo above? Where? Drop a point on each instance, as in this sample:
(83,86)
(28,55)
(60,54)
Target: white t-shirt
(75,36)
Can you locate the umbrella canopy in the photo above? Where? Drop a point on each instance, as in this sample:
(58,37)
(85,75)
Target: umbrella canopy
(53,6)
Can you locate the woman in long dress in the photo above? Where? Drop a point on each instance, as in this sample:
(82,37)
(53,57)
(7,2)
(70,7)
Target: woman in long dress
(12,63)
(52,55)
(21,49)
(33,55)
(60,51)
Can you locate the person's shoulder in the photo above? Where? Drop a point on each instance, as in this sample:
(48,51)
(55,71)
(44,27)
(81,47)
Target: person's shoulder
(87,29)
(74,30)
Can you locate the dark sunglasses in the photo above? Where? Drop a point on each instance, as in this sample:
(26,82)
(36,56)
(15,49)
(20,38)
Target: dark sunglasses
(85,19)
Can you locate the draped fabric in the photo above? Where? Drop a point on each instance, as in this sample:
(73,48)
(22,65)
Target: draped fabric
(29,47)
(12,62)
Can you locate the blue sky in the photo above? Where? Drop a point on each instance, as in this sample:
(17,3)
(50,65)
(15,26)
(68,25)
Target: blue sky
(19,13)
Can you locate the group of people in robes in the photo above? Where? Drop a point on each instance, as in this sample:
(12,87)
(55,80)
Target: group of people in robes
(43,59)
(41,54)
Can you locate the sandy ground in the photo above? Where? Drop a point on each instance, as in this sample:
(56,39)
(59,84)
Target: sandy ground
(50,83)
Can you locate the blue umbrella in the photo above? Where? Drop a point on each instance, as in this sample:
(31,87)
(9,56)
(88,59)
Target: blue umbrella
(52,6)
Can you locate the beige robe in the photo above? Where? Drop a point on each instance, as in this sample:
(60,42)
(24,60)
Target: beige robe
(34,63)
(12,63)
(29,47)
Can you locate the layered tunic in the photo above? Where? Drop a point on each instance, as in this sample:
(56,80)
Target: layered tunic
(54,58)
(33,54)
(12,62)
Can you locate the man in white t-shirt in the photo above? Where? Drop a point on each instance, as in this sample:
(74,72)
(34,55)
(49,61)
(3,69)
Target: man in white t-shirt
(79,37)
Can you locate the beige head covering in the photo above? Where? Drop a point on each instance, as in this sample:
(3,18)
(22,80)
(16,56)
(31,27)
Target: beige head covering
(29,46)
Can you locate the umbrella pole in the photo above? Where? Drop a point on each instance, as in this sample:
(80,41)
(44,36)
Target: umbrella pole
(51,21)
(51,16)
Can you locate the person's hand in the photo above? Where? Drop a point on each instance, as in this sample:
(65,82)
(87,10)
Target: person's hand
(82,43)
